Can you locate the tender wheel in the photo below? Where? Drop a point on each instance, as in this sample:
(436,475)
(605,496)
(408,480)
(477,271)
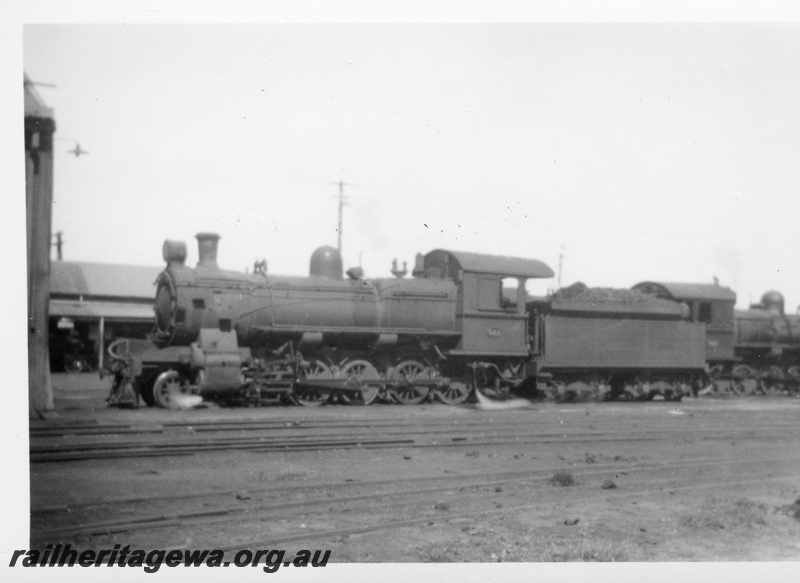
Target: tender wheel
(310,396)
(744,380)
(405,373)
(793,380)
(772,380)
(453,394)
(168,385)
(359,370)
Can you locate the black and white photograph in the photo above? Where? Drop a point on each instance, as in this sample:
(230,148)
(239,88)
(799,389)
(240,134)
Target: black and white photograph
(464,293)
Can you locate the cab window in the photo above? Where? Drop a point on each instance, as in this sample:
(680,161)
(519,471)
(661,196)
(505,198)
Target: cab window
(508,293)
(489,291)
(704,312)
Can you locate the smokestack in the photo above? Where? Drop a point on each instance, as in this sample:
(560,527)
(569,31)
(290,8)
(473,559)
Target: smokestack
(207,249)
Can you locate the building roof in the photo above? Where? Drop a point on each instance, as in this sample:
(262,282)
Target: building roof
(686,291)
(76,279)
(490,264)
(111,310)
(34,105)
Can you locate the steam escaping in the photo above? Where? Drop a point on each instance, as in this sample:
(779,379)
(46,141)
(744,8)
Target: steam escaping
(183,402)
(731,260)
(486,404)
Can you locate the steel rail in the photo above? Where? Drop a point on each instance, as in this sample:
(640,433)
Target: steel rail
(460,482)
(304,487)
(339,532)
(144,449)
(45,453)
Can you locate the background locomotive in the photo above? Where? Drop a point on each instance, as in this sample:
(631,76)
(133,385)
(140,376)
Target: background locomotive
(767,349)
(748,351)
(462,323)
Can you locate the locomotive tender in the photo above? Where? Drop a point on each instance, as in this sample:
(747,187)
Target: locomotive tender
(455,327)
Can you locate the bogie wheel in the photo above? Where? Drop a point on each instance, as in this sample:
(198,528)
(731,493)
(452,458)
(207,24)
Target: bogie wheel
(453,394)
(404,374)
(310,396)
(356,371)
(168,385)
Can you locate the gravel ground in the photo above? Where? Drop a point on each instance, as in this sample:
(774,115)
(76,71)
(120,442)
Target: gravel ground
(702,480)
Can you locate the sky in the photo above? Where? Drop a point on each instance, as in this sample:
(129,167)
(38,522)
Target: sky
(616,153)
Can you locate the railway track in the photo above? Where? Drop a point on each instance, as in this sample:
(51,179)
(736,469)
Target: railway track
(353,481)
(297,437)
(461,496)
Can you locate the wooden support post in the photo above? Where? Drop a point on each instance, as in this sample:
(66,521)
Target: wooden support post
(39,130)
(102,343)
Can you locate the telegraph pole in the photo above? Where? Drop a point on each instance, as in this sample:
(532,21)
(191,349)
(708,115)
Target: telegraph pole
(59,243)
(341,207)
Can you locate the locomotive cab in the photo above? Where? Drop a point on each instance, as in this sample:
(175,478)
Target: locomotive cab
(492,321)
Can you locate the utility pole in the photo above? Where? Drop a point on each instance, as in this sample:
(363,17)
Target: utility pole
(59,244)
(560,265)
(341,207)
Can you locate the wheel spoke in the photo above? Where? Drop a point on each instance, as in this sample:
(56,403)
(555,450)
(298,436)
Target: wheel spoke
(169,385)
(312,396)
(453,394)
(403,376)
(357,371)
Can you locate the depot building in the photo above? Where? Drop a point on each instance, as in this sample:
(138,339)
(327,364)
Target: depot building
(91,305)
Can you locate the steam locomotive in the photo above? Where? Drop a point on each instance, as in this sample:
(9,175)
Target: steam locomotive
(748,351)
(461,324)
(767,349)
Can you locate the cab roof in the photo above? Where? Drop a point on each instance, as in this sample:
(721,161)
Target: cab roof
(448,263)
